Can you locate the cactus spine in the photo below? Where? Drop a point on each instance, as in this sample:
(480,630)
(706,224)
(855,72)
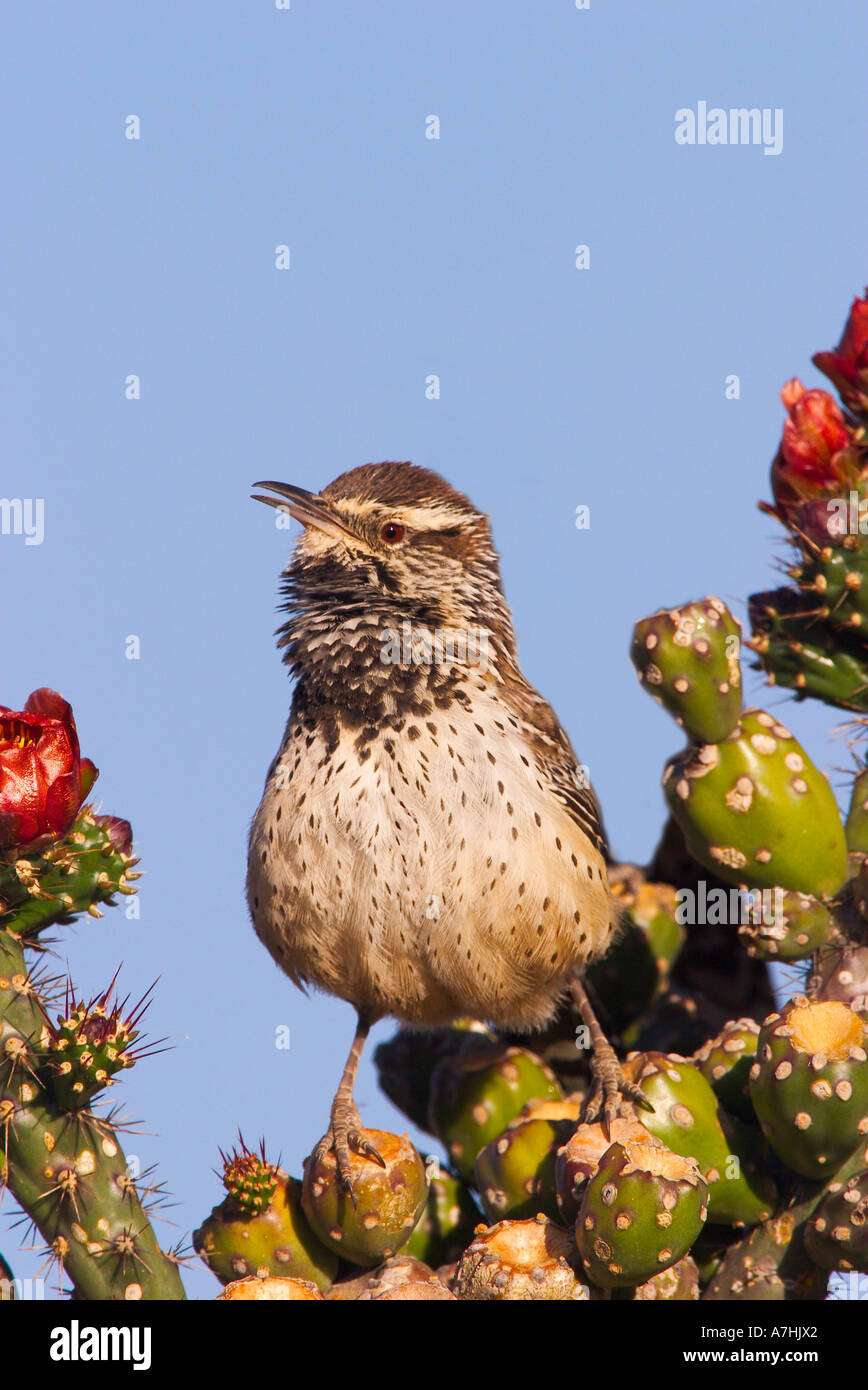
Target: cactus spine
(66,1167)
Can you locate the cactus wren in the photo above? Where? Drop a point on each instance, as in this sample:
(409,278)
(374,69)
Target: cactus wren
(426,846)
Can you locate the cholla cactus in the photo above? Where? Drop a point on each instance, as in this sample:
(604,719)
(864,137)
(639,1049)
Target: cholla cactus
(63,1163)
(260,1227)
(748,1177)
(813,637)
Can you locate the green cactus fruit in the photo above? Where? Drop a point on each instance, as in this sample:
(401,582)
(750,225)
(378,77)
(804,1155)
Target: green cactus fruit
(809,1084)
(836,1236)
(448,1219)
(351,1288)
(842,974)
(275,1239)
(635,971)
(386,1202)
(7,1282)
(856,825)
(390,1280)
(515,1173)
(796,927)
(521,1261)
(416,1291)
(91,863)
(677,1284)
(272,1288)
(767,1266)
(772,1262)
(89,1045)
(250,1179)
(755,810)
(405,1063)
(475,1095)
(578,1159)
(806,652)
(725,1062)
(688,1121)
(396,1273)
(641,1212)
(688,659)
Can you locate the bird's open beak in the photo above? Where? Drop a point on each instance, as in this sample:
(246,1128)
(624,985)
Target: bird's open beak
(306,507)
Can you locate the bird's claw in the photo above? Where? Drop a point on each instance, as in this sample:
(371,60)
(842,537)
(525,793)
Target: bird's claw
(343,1138)
(361,1146)
(611,1091)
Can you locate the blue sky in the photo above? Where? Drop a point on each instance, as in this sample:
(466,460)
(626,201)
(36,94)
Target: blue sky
(409,257)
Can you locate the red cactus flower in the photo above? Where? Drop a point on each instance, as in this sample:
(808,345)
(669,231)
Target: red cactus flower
(847,365)
(43,778)
(814,432)
(816,457)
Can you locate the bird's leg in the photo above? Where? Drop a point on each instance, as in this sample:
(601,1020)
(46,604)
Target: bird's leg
(610,1083)
(344,1131)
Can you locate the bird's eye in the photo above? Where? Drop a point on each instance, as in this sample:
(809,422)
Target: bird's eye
(392,531)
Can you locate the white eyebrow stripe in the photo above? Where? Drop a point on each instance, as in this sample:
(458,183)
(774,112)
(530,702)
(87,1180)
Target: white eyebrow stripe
(428,517)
